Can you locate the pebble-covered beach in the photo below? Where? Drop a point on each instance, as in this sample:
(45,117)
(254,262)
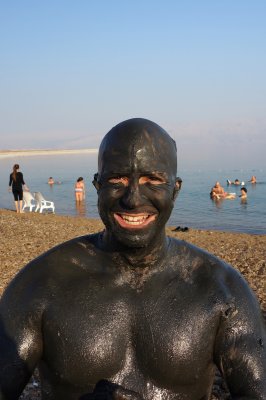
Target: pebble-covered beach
(25,236)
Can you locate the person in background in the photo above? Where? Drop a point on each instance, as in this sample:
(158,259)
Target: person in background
(51,180)
(236,182)
(253,179)
(243,193)
(218,192)
(16,184)
(80,189)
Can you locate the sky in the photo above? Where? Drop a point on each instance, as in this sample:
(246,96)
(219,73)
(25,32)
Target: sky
(71,70)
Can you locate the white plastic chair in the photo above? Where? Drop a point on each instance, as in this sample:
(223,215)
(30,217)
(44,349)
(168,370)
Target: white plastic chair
(43,204)
(28,201)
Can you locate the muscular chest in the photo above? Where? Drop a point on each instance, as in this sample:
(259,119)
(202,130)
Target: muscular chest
(117,331)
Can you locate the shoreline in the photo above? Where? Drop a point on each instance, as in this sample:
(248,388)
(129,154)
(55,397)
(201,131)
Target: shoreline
(35,233)
(207,229)
(44,152)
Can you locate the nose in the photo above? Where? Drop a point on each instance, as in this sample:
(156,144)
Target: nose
(132,197)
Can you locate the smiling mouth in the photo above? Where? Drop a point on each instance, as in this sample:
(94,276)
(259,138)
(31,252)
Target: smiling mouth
(134,221)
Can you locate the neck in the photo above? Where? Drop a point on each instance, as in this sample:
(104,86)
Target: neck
(147,256)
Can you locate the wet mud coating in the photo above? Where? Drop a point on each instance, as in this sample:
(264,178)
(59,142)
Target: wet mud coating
(130,313)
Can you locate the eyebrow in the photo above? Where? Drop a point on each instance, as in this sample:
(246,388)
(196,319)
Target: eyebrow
(127,173)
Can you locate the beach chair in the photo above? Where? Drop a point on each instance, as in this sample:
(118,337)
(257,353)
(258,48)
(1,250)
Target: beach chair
(43,204)
(28,201)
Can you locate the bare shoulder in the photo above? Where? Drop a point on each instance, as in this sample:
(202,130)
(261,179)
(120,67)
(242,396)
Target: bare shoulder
(201,266)
(73,249)
(62,262)
(214,282)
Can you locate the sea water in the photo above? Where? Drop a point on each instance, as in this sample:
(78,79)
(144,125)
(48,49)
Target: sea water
(193,207)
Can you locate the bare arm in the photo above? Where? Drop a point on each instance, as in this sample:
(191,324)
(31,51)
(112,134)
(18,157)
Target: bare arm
(241,344)
(20,339)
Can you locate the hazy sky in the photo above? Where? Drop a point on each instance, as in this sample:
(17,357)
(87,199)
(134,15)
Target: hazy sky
(70,70)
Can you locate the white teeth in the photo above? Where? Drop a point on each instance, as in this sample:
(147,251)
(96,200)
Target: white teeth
(134,220)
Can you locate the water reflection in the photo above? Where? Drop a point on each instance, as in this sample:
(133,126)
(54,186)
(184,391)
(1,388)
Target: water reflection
(81,208)
(218,202)
(244,203)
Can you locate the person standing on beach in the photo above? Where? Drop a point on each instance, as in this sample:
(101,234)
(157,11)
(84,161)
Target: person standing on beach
(16,184)
(80,189)
(130,313)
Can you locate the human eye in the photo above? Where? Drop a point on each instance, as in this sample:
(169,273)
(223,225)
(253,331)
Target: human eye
(118,180)
(156,180)
(152,179)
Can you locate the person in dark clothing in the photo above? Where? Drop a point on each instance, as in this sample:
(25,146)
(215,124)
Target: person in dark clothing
(16,182)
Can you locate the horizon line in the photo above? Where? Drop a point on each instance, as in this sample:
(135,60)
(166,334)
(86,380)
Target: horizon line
(36,152)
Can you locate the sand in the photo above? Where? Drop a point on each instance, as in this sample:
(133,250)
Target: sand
(48,152)
(25,236)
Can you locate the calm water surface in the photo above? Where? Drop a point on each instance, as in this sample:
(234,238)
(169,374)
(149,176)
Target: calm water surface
(193,207)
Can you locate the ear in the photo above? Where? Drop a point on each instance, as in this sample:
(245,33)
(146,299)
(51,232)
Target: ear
(95,182)
(178,184)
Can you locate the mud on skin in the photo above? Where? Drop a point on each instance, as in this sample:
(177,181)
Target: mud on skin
(129,313)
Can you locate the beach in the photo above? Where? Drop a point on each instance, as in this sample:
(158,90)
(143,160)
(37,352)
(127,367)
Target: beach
(26,236)
(47,152)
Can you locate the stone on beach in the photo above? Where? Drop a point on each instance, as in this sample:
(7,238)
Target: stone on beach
(26,236)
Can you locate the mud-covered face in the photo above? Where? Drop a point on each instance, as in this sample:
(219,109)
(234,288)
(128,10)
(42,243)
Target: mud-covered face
(136,182)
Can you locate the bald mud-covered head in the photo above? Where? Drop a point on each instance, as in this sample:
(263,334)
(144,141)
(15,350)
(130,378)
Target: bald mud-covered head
(136,181)
(138,140)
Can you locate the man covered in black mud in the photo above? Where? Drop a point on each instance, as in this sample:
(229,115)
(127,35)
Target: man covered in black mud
(130,313)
